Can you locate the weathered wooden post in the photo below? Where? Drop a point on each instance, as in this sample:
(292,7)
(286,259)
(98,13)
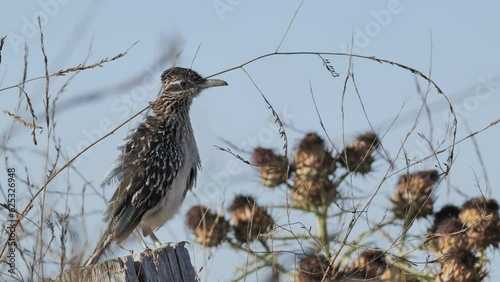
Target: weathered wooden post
(166,263)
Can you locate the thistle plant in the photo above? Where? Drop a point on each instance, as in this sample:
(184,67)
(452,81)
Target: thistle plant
(316,181)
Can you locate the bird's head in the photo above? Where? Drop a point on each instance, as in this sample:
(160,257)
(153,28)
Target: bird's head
(179,87)
(181,81)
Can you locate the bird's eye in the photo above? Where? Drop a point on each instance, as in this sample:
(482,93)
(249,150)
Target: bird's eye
(184,83)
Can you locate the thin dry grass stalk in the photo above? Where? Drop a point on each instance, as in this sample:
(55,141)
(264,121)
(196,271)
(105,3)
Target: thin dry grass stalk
(47,80)
(275,114)
(27,208)
(2,41)
(76,68)
(28,100)
(53,173)
(19,119)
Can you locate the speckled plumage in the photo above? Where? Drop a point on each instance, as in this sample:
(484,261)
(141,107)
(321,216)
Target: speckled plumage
(158,164)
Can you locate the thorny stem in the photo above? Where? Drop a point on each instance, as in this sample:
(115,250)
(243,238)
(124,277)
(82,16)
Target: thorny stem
(264,244)
(403,240)
(321,219)
(292,238)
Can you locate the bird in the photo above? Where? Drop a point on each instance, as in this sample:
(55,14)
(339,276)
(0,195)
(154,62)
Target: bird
(158,164)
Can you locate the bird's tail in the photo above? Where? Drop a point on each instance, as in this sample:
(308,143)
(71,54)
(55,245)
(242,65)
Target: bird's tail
(101,247)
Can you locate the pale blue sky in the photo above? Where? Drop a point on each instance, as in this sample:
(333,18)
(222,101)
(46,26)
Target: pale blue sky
(465,44)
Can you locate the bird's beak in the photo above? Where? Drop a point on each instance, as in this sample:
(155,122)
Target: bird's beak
(212,83)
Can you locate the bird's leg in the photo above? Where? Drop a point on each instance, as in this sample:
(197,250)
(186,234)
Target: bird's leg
(149,251)
(141,240)
(155,240)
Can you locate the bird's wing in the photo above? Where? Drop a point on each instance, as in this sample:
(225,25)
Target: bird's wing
(131,147)
(148,165)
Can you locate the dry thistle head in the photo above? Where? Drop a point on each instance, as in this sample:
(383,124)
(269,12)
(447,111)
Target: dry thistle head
(209,228)
(412,198)
(396,272)
(306,193)
(482,220)
(460,266)
(371,264)
(315,268)
(312,160)
(357,157)
(248,219)
(272,168)
(447,232)
(445,213)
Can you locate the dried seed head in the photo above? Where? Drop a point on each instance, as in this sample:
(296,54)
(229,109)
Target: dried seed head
(396,272)
(306,194)
(209,228)
(446,231)
(477,210)
(368,140)
(242,209)
(442,219)
(445,213)
(373,261)
(357,157)
(460,266)
(312,160)
(371,264)
(449,236)
(248,219)
(272,168)
(483,221)
(314,268)
(412,198)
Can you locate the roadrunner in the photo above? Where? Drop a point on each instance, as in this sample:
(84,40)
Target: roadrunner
(158,164)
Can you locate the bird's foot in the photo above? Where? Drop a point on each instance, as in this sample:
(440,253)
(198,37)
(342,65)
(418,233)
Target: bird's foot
(154,256)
